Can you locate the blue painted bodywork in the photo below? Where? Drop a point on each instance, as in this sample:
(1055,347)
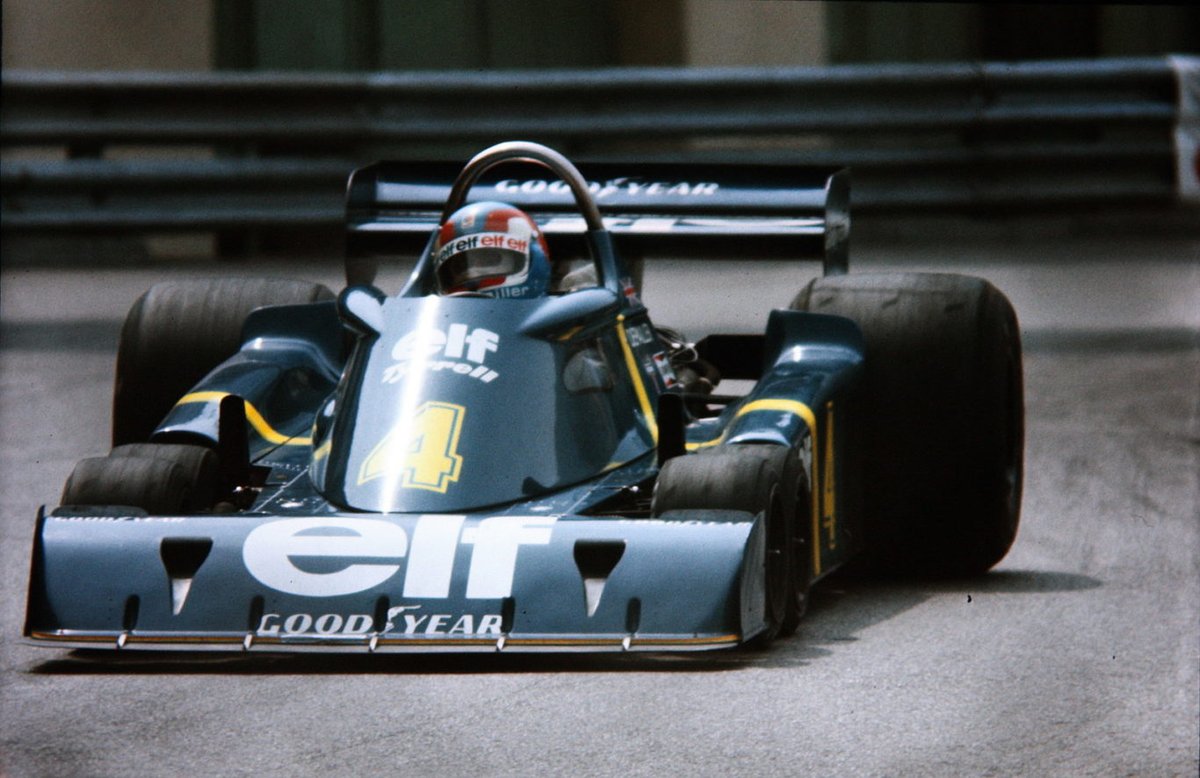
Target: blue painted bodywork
(680,584)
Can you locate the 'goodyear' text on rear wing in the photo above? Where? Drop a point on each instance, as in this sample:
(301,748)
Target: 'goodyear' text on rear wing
(720,211)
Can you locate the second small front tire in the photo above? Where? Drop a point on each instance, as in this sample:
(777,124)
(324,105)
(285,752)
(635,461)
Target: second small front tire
(158,478)
(755,479)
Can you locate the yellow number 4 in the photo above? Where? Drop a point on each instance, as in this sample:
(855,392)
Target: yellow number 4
(425,452)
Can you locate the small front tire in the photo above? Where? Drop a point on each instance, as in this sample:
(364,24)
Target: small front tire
(755,479)
(161,479)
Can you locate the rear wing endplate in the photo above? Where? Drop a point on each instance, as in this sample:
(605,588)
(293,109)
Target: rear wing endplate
(702,211)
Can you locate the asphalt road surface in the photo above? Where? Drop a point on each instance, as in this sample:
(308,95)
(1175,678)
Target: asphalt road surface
(1078,655)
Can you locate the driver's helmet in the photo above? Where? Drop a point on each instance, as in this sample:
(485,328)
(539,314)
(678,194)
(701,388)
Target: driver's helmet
(492,248)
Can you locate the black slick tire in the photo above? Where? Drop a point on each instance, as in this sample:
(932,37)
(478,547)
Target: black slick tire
(199,466)
(751,478)
(943,417)
(157,478)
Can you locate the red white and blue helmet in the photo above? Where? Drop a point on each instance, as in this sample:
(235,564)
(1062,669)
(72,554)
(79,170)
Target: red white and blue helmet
(492,248)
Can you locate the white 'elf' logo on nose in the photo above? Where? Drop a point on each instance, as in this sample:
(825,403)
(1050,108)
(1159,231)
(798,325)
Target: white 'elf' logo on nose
(361,554)
(459,349)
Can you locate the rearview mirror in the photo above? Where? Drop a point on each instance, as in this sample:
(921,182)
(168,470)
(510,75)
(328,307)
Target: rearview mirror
(361,310)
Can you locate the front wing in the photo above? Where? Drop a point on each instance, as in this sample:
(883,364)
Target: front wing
(364,582)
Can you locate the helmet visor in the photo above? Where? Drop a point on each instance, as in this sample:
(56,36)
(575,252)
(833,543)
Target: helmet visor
(470,263)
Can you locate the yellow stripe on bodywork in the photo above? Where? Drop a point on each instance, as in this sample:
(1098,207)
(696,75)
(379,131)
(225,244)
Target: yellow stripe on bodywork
(260,425)
(810,420)
(703,444)
(829,485)
(635,375)
(786,406)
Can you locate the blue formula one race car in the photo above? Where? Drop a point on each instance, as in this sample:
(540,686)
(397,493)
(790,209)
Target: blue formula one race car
(508,456)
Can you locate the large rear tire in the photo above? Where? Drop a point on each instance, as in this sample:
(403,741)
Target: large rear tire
(751,478)
(943,417)
(180,330)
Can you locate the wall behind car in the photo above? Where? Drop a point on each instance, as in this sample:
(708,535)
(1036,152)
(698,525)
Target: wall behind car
(117,35)
(968,132)
(472,34)
(992,32)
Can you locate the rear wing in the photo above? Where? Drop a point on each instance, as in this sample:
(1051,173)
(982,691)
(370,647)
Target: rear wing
(702,211)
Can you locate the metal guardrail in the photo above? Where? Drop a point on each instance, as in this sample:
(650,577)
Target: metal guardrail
(116,152)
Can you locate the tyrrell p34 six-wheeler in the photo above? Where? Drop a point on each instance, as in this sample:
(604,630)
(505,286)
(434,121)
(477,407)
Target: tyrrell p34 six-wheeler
(508,455)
